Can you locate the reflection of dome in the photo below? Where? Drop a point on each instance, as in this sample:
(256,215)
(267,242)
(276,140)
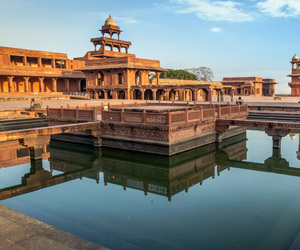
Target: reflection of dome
(110,21)
(295,58)
(293,136)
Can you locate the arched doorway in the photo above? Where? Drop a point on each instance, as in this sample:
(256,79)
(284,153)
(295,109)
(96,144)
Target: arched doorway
(148,94)
(101,94)
(188,95)
(137,78)
(100,79)
(173,95)
(82,85)
(121,94)
(109,95)
(202,95)
(92,94)
(160,94)
(137,95)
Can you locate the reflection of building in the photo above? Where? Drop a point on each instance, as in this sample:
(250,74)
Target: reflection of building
(165,176)
(28,71)
(295,81)
(12,153)
(249,86)
(169,176)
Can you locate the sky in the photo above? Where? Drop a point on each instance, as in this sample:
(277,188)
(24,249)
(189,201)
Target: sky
(233,38)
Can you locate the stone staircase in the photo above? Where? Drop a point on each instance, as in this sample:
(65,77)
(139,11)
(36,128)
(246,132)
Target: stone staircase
(16,124)
(274,116)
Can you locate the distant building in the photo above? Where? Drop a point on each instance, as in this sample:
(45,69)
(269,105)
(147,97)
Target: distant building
(32,71)
(295,76)
(249,86)
(113,73)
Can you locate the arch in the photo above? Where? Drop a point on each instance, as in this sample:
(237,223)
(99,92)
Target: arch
(202,95)
(160,94)
(101,94)
(188,95)
(92,94)
(123,50)
(121,78)
(121,94)
(152,74)
(35,86)
(219,95)
(19,84)
(116,48)
(137,77)
(108,47)
(148,94)
(115,36)
(109,94)
(174,95)
(137,95)
(100,78)
(82,85)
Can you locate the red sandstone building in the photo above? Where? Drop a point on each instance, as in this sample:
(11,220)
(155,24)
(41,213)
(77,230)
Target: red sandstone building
(111,72)
(295,76)
(32,71)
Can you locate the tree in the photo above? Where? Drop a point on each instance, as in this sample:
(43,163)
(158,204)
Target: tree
(202,73)
(178,74)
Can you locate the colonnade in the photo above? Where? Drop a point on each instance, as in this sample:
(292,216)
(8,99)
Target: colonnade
(172,94)
(17,84)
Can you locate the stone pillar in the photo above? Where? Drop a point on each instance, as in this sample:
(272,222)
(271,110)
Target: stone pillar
(167,94)
(115,95)
(11,84)
(53,63)
(40,62)
(154,94)
(142,94)
(194,95)
(54,84)
(277,134)
(78,85)
(180,95)
(67,85)
(26,79)
(210,94)
(105,94)
(96,95)
(36,145)
(157,76)
(131,94)
(298,152)
(42,85)
(25,60)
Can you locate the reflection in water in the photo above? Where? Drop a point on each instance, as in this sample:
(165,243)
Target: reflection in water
(162,175)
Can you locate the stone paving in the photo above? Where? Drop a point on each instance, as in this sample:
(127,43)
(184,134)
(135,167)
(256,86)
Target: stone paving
(18,231)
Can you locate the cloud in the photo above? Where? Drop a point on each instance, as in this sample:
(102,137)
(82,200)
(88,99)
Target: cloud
(215,29)
(215,10)
(126,20)
(280,8)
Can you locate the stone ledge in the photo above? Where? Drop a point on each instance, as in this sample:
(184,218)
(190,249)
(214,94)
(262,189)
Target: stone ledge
(18,231)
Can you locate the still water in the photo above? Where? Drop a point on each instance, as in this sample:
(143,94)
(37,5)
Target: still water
(238,195)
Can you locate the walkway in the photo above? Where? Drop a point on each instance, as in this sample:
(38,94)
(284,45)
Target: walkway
(18,231)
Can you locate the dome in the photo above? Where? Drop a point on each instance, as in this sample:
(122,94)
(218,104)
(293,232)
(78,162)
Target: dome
(295,57)
(110,21)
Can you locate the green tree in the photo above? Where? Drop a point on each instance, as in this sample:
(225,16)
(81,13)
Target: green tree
(178,74)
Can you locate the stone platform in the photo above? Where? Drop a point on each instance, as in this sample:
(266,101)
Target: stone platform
(18,231)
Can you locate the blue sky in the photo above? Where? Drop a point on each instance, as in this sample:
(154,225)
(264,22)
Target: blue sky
(233,38)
